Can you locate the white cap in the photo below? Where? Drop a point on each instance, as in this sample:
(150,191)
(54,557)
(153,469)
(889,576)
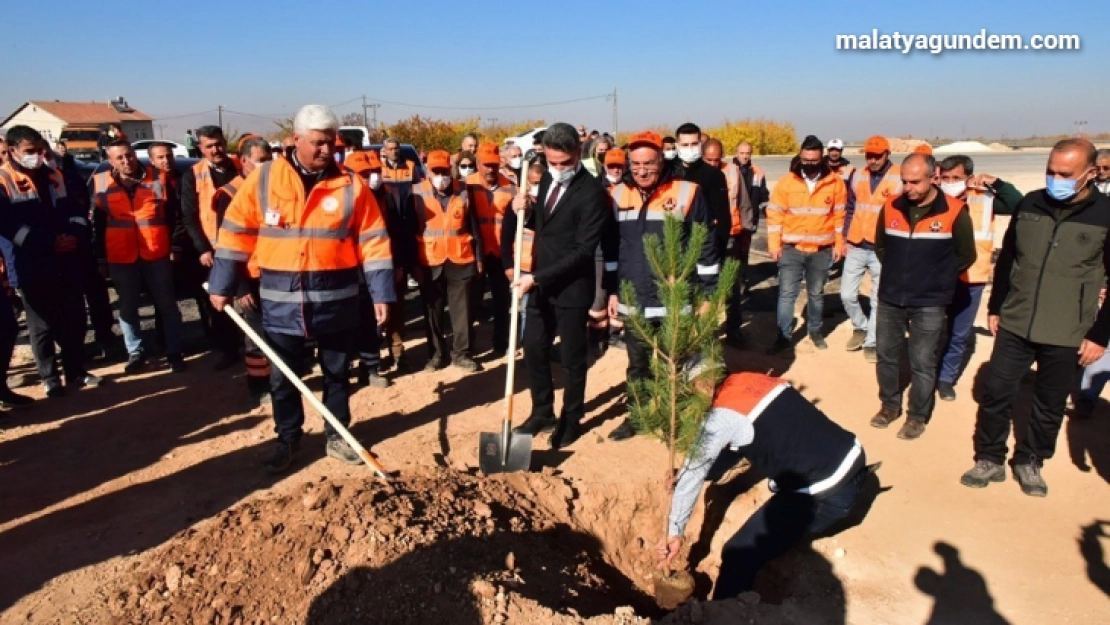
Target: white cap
(836,144)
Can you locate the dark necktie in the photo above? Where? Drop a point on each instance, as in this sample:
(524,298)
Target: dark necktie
(552,197)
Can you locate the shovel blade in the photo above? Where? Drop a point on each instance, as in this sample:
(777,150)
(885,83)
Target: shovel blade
(490,453)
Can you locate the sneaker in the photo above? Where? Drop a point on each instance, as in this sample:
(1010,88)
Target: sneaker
(466,364)
(375,379)
(226,361)
(135,363)
(88,380)
(856,342)
(1029,476)
(870,355)
(177,363)
(983,473)
(281,458)
(818,341)
(535,424)
(339,449)
(54,389)
(435,364)
(623,432)
(884,418)
(912,429)
(10,399)
(946,391)
(781,344)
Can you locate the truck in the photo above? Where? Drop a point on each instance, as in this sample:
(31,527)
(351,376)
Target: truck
(82,141)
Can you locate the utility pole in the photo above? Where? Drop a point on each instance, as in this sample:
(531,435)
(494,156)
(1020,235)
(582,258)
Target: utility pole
(374,107)
(220,114)
(364,107)
(161,131)
(615,130)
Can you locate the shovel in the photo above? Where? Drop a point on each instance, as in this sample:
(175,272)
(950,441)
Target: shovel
(509,451)
(276,361)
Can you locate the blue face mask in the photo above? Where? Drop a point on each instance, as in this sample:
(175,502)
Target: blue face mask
(1061,189)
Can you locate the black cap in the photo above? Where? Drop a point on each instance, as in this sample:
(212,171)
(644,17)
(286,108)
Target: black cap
(812,143)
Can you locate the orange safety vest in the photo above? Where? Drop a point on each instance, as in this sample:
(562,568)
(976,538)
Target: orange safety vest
(21,188)
(402,173)
(136,227)
(444,234)
(845,172)
(230,189)
(808,221)
(745,393)
(526,251)
(980,205)
(672,198)
(490,207)
(868,204)
(206,190)
(734,180)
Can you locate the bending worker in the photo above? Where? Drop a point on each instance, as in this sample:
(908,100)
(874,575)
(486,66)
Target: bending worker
(816,469)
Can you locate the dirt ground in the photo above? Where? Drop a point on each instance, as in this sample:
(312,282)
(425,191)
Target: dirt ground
(144,502)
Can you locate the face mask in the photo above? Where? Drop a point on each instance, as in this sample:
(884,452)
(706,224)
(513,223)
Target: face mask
(31,161)
(375,181)
(561,176)
(601,157)
(1061,189)
(534,191)
(612,179)
(1103,187)
(515,162)
(689,154)
(441,182)
(465,171)
(669,154)
(954,189)
(811,169)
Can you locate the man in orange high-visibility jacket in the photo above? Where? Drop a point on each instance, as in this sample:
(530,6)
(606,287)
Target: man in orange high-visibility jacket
(136,208)
(744,223)
(449,246)
(490,194)
(868,190)
(805,236)
(313,227)
(986,196)
(198,186)
(252,153)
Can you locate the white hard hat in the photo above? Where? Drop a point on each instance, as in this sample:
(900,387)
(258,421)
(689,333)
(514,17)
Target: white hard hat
(836,144)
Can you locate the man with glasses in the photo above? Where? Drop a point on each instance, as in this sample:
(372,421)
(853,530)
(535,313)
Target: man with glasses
(1102,172)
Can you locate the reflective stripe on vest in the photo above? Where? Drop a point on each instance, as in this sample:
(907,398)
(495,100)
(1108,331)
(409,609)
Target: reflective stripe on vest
(135,224)
(869,204)
(734,180)
(980,205)
(287,231)
(21,188)
(673,198)
(206,192)
(444,234)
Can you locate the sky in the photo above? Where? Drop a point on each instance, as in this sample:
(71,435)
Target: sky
(669,62)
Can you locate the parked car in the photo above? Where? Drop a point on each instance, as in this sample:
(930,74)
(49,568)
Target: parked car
(525,141)
(141,146)
(362,131)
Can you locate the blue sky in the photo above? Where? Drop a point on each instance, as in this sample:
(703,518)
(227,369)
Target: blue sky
(671,62)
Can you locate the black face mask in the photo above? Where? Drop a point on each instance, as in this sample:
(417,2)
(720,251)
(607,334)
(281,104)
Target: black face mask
(811,169)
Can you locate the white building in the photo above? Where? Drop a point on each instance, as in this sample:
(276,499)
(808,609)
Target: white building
(50,118)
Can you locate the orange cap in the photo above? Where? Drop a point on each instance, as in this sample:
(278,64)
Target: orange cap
(489,154)
(372,158)
(647,138)
(614,157)
(362,162)
(923,148)
(876,145)
(439,159)
(339,142)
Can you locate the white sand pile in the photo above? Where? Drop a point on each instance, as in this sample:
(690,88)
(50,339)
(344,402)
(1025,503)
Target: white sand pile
(963,147)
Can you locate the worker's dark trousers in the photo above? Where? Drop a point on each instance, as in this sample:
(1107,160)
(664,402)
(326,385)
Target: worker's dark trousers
(739,248)
(784,521)
(335,357)
(369,334)
(501,298)
(9,332)
(1057,368)
(438,294)
(55,314)
(95,288)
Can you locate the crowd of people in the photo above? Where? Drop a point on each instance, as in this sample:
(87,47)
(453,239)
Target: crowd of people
(316,245)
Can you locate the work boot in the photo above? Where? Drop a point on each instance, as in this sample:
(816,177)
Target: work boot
(983,473)
(10,399)
(339,449)
(226,361)
(53,389)
(856,342)
(282,457)
(781,344)
(466,364)
(177,363)
(946,391)
(912,429)
(623,432)
(870,355)
(371,376)
(884,417)
(1029,476)
(435,364)
(135,363)
(535,424)
(818,341)
(567,433)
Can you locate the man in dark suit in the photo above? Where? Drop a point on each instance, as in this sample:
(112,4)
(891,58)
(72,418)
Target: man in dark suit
(570,216)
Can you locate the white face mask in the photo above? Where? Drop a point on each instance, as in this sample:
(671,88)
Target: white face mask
(515,162)
(612,179)
(1103,187)
(669,154)
(560,176)
(441,182)
(954,189)
(689,154)
(534,191)
(465,171)
(31,161)
(375,181)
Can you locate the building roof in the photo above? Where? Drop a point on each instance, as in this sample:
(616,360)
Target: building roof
(85,112)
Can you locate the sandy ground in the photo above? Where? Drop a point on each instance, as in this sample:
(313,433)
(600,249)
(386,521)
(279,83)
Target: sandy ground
(92,484)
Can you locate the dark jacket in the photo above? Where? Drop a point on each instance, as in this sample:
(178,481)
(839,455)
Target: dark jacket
(31,227)
(402,223)
(757,191)
(923,272)
(1053,263)
(714,189)
(190,211)
(566,242)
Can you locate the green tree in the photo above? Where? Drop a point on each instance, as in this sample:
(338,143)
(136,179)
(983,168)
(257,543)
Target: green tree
(671,403)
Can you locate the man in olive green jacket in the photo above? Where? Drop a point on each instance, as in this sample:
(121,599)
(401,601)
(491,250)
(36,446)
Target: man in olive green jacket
(1044,308)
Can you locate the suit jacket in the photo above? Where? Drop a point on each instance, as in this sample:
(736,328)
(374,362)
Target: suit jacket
(567,240)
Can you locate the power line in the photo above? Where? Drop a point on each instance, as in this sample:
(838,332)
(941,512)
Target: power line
(493,108)
(161,117)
